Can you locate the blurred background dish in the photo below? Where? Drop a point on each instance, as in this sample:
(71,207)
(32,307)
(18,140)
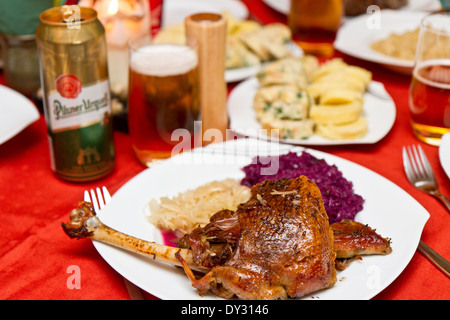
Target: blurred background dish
(355,37)
(238,74)
(282,6)
(174,11)
(379,112)
(249,44)
(17,113)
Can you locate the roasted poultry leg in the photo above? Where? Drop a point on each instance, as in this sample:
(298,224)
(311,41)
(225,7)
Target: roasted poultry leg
(276,245)
(351,239)
(85,224)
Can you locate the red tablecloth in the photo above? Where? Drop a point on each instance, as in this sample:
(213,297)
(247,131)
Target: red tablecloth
(36,256)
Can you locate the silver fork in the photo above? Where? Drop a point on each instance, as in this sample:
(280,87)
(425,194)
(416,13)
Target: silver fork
(420,173)
(99,198)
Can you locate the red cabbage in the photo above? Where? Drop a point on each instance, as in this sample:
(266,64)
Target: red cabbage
(339,199)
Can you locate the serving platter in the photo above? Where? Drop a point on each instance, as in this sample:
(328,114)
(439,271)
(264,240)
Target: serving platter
(389,209)
(379,110)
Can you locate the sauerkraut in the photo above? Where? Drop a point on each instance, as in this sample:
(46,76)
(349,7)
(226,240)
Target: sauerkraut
(192,208)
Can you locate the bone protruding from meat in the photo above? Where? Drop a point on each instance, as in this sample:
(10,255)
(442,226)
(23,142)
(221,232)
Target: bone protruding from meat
(284,248)
(85,224)
(276,245)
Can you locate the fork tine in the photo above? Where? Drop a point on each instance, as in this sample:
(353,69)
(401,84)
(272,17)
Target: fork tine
(106,195)
(423,178)
(416,163)
(407,165)
(413,160)
(428,170)
(98,197)
(419,162)
(94,201)
(87,197)
(101,201)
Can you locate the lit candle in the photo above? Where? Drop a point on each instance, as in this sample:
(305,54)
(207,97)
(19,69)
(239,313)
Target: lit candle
(123,20)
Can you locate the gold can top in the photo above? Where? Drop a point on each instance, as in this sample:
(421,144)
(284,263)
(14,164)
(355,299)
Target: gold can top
(68,14)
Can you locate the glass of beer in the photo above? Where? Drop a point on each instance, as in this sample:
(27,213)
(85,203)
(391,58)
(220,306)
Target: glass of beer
(314,24)
(163,97)
(429,95)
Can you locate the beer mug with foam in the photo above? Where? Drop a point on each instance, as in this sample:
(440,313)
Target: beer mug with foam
(163,97)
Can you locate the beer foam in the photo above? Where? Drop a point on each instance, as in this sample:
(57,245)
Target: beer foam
(163,60)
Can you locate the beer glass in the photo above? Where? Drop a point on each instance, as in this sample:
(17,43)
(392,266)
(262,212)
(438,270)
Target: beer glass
(314,24)
(163,98)
(429,96)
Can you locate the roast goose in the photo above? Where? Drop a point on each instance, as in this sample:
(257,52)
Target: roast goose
(276,245)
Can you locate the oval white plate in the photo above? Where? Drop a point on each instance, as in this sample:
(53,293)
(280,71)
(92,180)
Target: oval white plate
(17,112)
(389,209)
(444,153)
(379,112)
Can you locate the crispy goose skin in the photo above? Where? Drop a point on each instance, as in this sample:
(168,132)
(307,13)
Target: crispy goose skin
(284,248)
(212,244)
(85,224)
(352,239)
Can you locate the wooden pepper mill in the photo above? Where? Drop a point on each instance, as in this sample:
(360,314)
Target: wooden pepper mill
(207,32)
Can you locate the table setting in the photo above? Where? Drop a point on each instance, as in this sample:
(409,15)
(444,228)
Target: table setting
(225,150)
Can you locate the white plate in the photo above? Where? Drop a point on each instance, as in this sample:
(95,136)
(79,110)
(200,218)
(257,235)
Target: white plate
(238,74)
(355,36)
(282,6)
(380,113)
(389,209)
(17,112)
(444,153)
(175,11)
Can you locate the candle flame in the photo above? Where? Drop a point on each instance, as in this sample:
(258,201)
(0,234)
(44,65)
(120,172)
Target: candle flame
(113,7)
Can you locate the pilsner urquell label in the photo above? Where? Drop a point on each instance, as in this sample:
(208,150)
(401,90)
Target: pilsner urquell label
(77,100)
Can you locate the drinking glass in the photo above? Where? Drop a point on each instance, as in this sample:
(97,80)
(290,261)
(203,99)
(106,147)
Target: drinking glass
(429,96)
(21,64)
(314,24)
(163,98)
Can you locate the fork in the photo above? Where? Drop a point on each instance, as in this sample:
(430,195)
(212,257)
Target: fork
(420,174)
(99,198)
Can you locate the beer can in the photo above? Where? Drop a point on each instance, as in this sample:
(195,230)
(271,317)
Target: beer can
(76,93)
